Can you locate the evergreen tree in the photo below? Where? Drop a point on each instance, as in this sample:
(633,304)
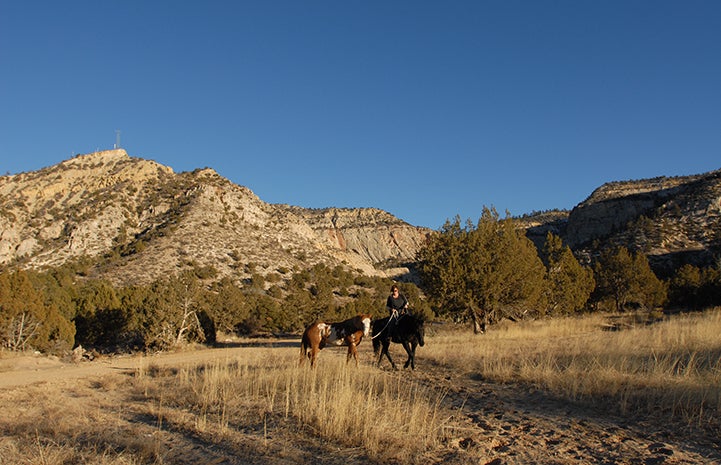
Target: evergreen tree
(482,273)
(647,290)
(98,316)
(710,291)
(169,313)
(685,287)
(58,288)
(626,278)
(26,322)
(569,283)
(228,307)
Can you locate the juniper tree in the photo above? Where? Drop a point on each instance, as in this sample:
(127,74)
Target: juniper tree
(482,273)
(569,284)
(627,278)
(26,322)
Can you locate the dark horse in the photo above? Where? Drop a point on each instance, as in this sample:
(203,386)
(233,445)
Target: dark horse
(409,331)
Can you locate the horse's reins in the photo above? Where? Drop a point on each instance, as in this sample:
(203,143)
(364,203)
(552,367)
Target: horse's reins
(384,328)
(381,331)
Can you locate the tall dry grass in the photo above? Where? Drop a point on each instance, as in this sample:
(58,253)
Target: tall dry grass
(383,414)
(48,426)
(672,367)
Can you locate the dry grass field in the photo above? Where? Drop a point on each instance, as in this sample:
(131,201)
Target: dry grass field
(595,389)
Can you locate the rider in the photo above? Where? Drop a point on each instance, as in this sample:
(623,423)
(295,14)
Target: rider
(397,305)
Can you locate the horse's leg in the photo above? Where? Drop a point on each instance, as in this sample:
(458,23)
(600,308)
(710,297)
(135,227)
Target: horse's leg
(350,352)
(386,345)
(304,346)
(413,355)
(312,355)
(407,347)
(380,352)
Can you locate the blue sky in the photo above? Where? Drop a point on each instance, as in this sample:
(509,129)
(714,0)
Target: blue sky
(424,109)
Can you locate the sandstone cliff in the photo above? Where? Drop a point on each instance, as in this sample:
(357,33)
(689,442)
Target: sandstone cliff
(139,221)
(376,236)
(673,220)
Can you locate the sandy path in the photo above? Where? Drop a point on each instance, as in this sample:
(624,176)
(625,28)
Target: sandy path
(516,425)
(16,371)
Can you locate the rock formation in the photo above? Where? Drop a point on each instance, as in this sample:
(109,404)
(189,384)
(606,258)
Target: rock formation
(138,221)
(673,220)
(135,220)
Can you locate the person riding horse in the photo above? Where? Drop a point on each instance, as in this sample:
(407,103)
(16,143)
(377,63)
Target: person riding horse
(397,306)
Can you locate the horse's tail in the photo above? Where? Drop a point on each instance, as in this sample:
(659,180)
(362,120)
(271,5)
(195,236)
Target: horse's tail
(420,331)
(304,346)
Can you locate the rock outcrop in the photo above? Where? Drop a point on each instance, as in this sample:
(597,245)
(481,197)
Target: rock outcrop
(673,220)
(138,221)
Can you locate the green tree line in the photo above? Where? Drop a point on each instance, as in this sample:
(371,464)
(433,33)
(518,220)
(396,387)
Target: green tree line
(490,270)
(56,310)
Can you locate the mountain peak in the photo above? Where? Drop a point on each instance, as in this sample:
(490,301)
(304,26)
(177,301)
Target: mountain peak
(139,221)
(103,156)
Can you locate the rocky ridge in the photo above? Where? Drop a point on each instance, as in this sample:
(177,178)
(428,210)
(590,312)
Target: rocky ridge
(673,220)
(140,221)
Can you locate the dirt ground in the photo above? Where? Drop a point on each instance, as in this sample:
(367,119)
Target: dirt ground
(499,424)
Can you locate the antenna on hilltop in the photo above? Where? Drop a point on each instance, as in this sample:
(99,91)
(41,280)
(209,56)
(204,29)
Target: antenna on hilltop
(117,139)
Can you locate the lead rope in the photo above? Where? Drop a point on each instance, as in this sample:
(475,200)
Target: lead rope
(395,315)
(384,328)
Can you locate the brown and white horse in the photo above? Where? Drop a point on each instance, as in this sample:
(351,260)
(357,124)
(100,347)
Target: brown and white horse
(346,333)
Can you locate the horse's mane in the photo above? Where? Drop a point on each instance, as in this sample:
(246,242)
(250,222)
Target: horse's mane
(418,318)
(357,321)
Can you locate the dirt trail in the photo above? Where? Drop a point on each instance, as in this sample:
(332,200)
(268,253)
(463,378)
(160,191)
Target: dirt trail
(500,424)
(517,425)
(16,371)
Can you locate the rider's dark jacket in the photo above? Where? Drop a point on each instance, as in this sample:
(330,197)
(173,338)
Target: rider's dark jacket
(398,303)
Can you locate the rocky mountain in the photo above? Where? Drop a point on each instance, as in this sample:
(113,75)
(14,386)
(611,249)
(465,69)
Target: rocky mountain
(673,220)
(138,220)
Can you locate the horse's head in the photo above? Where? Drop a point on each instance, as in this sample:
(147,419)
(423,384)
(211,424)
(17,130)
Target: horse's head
(324,330)
(366,321)
(420,331)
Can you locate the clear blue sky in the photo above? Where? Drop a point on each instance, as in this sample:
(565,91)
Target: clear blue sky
(425,109)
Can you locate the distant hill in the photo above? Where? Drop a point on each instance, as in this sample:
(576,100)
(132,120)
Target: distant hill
(138,221)
(673,220)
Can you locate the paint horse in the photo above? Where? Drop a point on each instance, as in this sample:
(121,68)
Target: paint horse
(346,333)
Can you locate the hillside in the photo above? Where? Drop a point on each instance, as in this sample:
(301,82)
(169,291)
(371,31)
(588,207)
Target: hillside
(673,220)
(140,220)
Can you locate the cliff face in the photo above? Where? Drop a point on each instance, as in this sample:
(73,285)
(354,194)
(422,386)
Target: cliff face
(672,220)
(612,206)
(372,234)
(140,221)
(72,209)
